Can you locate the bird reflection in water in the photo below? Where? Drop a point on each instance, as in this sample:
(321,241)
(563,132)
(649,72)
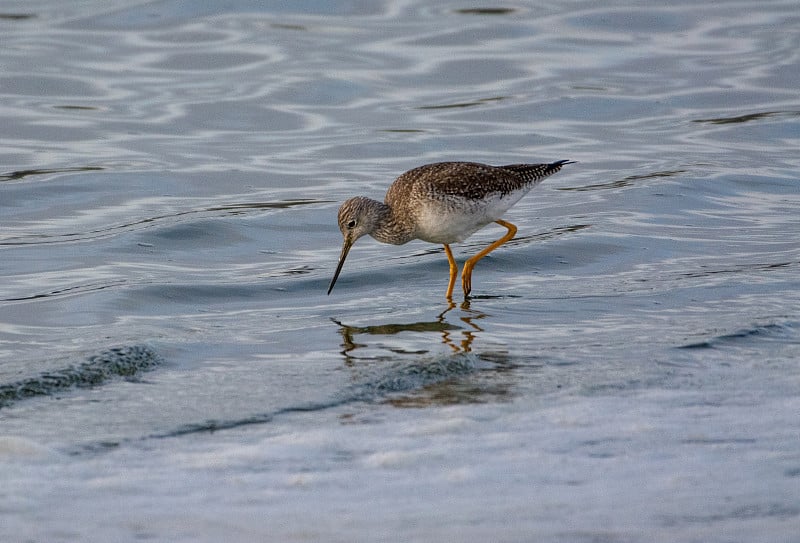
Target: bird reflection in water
(424,377)
(448,332)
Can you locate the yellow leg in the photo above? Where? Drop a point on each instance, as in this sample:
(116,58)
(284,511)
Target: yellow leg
(466,274)
(453,271)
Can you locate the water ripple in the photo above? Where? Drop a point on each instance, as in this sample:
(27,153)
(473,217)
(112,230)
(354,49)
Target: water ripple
(116,362)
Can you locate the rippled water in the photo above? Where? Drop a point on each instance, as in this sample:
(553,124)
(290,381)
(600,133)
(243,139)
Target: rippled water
(172,369)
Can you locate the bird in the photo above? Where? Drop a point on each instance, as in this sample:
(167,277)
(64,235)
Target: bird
(443,203)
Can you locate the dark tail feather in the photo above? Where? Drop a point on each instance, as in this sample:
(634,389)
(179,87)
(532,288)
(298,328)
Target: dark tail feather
(533,173)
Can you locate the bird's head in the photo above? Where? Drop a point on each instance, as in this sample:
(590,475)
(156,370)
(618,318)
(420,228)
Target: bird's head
(358,217)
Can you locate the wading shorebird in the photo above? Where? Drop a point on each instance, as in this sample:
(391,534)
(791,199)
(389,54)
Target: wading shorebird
(445,203)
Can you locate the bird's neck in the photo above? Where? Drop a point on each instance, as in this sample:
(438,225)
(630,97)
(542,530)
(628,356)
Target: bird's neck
(390,228)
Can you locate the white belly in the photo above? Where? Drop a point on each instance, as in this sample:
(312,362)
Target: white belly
(457,219)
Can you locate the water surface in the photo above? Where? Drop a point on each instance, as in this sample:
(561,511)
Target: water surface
(172,369)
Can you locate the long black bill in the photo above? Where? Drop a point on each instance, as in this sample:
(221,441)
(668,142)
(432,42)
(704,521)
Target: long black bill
(345,249)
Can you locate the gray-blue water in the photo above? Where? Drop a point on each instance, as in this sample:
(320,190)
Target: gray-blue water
(171,368)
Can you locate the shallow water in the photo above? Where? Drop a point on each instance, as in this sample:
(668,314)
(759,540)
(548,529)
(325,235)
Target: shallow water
(171,368)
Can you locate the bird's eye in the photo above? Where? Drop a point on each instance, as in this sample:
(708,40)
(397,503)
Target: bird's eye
(351,224)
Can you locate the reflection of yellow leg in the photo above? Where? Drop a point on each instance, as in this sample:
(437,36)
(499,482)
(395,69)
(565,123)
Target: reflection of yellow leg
(466,274)
(453,271)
